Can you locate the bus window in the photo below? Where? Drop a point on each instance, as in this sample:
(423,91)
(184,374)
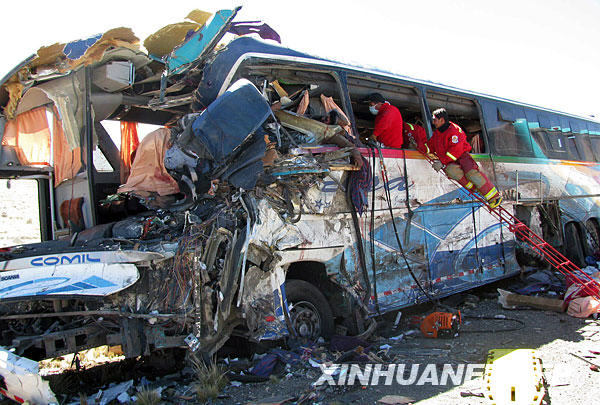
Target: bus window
(462,111)
(578,146)
(593,130)
(405,98)
(19,212)
(298,88)
(101,163)
(507,129)
(595,142)
(572,149)
(558,144)
(554,142)
(584,147)
(540,137)
(582,140)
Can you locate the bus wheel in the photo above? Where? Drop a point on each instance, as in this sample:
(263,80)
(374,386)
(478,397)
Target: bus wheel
(592,236)
(310,313)
(574,244)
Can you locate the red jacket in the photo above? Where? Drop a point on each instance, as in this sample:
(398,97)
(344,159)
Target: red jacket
(448,145)
(388,126)
(417,134)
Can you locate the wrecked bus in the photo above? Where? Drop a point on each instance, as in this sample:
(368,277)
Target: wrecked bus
(251,209)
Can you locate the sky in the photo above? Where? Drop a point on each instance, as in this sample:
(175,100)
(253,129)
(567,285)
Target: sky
(541,52)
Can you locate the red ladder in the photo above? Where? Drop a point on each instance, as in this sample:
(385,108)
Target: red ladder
(549,253)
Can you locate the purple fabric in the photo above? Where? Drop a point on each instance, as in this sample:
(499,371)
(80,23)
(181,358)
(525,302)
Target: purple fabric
(251,27)
(360,183)
(266,365)
(341,343)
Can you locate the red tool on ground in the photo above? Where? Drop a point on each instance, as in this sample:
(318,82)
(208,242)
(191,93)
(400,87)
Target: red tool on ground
(441,324)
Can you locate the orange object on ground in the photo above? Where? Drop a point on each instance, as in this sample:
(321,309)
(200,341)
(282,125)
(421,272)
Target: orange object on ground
(441,324)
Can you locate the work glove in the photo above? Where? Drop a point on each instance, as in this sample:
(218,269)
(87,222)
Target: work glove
(437,165)
(371,141)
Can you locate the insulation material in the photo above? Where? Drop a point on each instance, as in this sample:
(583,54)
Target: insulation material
(148,171)
(199,16)
(163,41)
(54,55)
(14,93)
(316,131)
(116,37)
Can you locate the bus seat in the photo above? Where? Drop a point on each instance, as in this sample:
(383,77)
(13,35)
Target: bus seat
(72,214)
(148,172)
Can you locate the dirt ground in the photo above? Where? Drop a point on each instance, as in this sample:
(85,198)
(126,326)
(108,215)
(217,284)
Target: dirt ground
(19,221)
(554,336)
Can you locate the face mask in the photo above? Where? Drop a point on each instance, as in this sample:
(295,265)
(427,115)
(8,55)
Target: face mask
(373,110)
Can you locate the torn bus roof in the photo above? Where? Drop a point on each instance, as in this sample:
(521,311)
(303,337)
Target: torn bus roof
(177,52)
(162,42)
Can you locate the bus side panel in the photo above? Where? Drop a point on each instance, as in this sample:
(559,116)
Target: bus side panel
(450,245)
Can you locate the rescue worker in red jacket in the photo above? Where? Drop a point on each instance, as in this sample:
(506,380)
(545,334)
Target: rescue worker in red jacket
(415,137)
(449,144)
(388,121)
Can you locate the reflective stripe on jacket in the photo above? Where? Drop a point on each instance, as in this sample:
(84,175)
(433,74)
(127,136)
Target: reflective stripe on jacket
(450,144)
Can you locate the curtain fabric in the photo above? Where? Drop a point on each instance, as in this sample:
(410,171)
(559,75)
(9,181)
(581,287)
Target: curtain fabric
(129,143)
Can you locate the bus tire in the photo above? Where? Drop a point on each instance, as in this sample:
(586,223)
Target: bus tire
(574,244)
(310,313)
(592,236)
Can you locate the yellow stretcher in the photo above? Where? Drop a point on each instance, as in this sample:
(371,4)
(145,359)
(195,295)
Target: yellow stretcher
(513,376)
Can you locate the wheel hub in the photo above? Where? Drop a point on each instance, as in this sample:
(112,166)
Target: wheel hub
(306,320)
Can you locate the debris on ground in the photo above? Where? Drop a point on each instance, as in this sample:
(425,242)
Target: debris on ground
(513,301)
(395,400)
